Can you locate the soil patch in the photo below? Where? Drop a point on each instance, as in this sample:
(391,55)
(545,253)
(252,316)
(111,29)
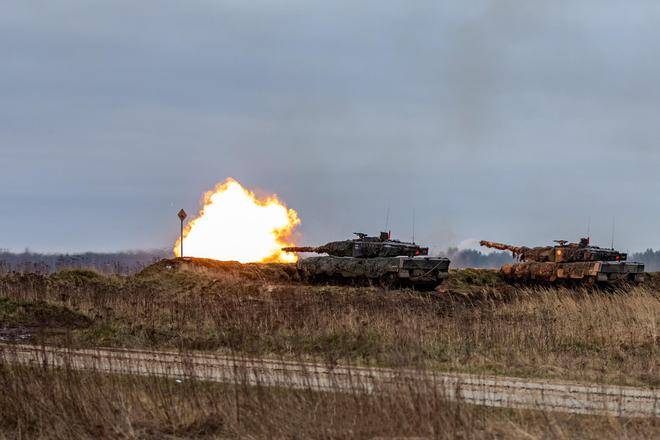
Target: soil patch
(24,314)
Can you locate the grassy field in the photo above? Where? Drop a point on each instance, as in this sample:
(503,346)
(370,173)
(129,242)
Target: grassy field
(476,324)
(43,403)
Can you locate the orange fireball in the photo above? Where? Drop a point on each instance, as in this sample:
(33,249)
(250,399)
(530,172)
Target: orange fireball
(234,225)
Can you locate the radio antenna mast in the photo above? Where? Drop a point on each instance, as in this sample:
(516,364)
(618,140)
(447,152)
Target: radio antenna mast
(413,226)
(613,229)
(387,218)
(589,228)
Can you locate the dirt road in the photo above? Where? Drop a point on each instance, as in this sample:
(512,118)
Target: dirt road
(493,391)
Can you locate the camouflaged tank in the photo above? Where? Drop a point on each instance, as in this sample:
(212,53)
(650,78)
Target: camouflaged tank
(579,262)
(372,260)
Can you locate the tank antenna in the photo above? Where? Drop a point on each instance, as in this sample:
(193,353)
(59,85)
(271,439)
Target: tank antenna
(387,218)
(413,226)
(613,229)
(589,227)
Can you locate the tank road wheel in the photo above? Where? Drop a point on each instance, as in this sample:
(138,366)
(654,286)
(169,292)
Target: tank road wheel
(588,282)
(309,277)
(315,279)
(388,280)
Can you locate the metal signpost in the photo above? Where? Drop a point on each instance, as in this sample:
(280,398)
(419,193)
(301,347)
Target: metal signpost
(182,216)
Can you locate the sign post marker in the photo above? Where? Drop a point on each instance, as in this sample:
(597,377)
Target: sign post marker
(182,216)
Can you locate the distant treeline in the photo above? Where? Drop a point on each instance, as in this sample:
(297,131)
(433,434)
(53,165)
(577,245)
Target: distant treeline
(125,263)
(122,263)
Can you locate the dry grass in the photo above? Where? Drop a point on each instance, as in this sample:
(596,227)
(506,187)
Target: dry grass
(610,337)
(60,404)
(568,334)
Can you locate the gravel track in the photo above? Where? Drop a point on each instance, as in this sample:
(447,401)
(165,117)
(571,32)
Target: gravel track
(495,391)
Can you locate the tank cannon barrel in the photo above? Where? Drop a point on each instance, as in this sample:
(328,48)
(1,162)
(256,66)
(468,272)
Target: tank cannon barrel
(301,249)
(503,247)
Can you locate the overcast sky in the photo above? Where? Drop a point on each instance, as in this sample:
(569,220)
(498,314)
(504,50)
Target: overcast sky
(506,120)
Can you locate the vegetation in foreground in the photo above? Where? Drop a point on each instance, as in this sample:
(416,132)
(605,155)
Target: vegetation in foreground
(476,325)
(63,404)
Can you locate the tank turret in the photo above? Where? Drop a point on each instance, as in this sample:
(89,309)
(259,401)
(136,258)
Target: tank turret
(365,247)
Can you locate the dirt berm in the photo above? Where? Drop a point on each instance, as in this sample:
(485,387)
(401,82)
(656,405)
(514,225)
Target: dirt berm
(469,282)
(273,272)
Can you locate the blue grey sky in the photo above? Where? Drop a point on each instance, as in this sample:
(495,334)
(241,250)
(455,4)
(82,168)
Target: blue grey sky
(510,120)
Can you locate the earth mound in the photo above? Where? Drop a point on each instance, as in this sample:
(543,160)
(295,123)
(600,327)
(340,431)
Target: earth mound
(225,269)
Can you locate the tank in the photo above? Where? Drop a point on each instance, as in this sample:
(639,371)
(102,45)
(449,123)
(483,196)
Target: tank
(578,262)
(368,259)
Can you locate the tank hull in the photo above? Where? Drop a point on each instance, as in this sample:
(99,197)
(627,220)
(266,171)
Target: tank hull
(606,272)
(414,271)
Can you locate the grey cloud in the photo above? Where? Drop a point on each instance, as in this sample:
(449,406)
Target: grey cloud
(512,120)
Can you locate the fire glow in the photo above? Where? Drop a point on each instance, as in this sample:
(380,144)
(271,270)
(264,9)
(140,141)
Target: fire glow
(235,225)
